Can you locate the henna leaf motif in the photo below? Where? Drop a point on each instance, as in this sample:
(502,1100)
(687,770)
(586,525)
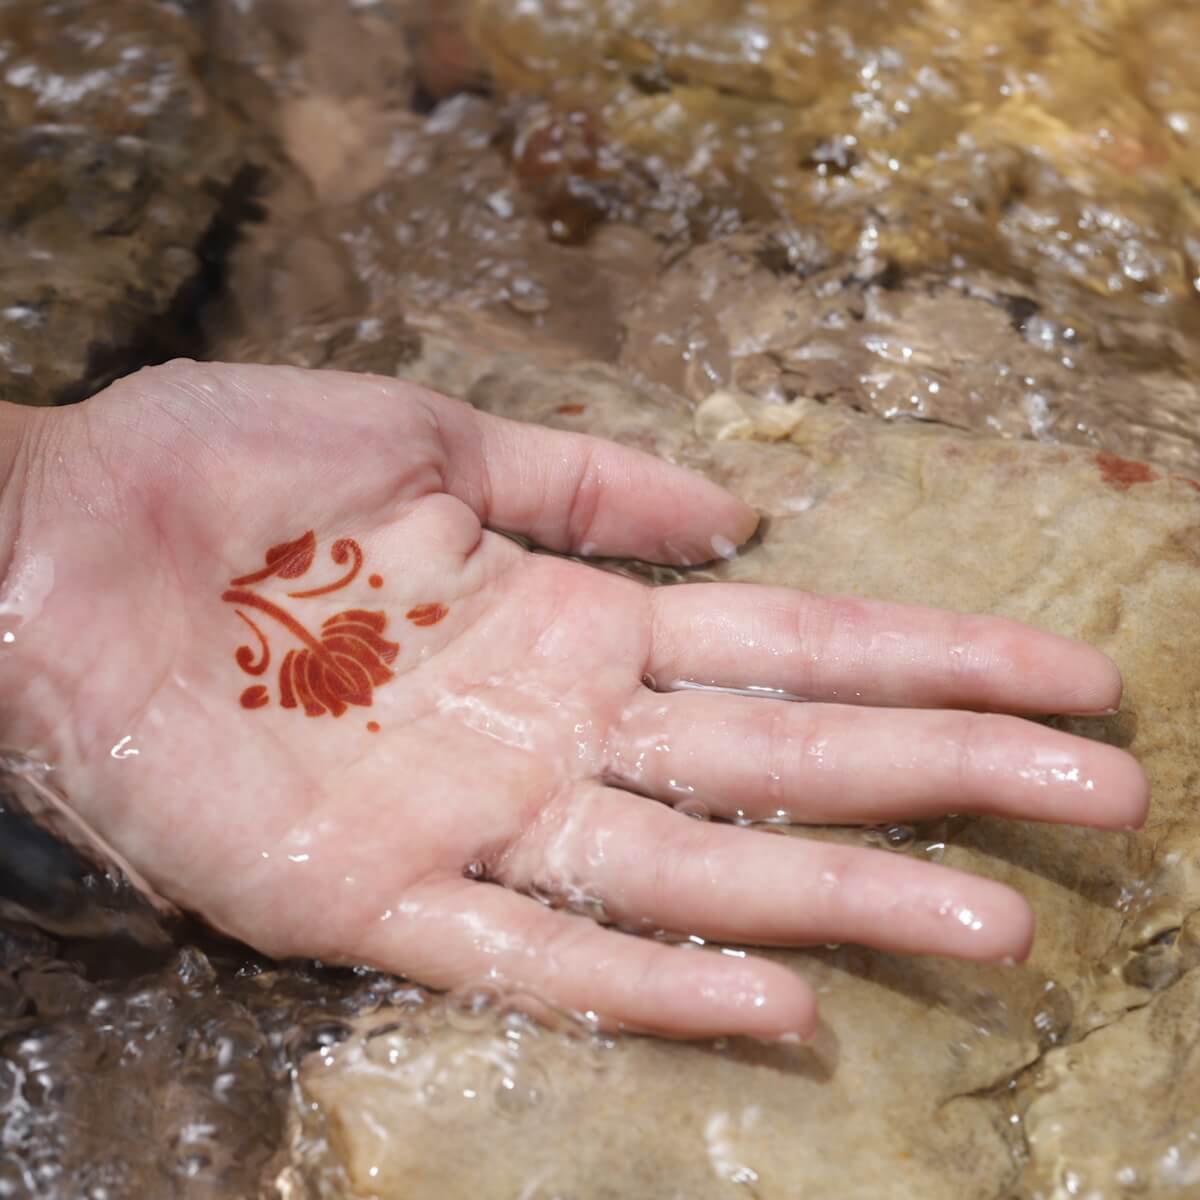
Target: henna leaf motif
(288,560)
(427,614)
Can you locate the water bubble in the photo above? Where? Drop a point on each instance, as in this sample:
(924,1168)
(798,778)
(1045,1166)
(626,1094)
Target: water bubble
(409,999)
(519,1089)
(1053,1015)
(15,1182)
(389,1046)
(193,969)
(473,1010)
(890,836)
(691,807)
(124,748)
(322,1034)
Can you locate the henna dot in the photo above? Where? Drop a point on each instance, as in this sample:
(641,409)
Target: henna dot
(372,726)
(255,697)
(376,581)
(427,614)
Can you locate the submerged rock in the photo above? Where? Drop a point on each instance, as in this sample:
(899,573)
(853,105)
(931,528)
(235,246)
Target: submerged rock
(922,1082)
(116,159)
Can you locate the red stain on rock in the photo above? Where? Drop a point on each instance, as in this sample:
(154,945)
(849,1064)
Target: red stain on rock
(1123,473)
(571,410)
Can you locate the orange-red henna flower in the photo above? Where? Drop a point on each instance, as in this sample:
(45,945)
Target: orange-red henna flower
(352,659)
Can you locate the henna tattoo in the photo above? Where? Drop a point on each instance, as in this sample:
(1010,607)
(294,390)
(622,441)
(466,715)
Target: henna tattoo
(346,661)
(245,656)
(342,550)
(289,560)
(427,614)
(340,667)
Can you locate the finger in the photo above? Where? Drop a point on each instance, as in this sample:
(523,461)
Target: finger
(841,764)
(575,493)
(648,864)
(864,652)
(456,933)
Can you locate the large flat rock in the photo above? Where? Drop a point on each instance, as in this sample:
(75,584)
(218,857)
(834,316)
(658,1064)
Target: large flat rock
(932,1079)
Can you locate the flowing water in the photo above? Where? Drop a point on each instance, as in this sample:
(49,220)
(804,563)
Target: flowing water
(977,215)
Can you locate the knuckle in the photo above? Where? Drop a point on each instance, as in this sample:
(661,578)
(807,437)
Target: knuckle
(788,736)
(968,735)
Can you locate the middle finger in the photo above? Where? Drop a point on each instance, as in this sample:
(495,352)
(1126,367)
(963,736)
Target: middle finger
(842,764)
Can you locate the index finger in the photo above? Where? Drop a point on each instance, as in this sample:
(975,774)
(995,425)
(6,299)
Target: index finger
(833,648)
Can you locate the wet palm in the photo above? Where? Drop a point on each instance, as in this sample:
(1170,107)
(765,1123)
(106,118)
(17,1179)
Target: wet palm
(260,620)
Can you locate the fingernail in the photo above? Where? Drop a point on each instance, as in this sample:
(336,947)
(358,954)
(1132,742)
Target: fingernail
(723,547)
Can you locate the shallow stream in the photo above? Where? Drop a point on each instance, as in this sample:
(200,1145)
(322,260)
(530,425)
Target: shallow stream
(647,219)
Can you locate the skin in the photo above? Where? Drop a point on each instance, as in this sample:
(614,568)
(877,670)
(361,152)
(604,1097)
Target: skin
(519,752)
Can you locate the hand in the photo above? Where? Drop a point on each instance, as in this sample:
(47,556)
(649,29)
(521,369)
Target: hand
(260,620)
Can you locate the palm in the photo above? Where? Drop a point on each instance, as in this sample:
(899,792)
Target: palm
(321,705)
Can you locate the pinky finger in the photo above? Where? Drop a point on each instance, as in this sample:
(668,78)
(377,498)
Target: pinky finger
(457,933)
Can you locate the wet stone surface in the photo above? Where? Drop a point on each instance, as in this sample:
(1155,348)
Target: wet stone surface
(117,159)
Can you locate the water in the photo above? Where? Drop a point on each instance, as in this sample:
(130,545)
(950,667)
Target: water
(968,215)
(126,1073)
(983,218)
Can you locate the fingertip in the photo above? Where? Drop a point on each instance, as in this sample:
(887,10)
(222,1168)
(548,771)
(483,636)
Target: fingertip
(1007,927)
(1024,931)
(978,920)
(1097,689)
(725,995)
(1136,790)
(717,526)
(768,1001)
(743,522)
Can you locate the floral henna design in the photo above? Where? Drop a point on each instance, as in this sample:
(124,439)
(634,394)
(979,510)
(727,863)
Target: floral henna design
(342,550)
(350,658)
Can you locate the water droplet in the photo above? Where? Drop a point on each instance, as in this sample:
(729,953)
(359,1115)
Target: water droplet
(519,1088)
(390,1045)
(123,749)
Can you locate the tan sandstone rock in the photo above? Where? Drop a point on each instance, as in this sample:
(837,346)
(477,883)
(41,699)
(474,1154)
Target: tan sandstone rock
(919,1085)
